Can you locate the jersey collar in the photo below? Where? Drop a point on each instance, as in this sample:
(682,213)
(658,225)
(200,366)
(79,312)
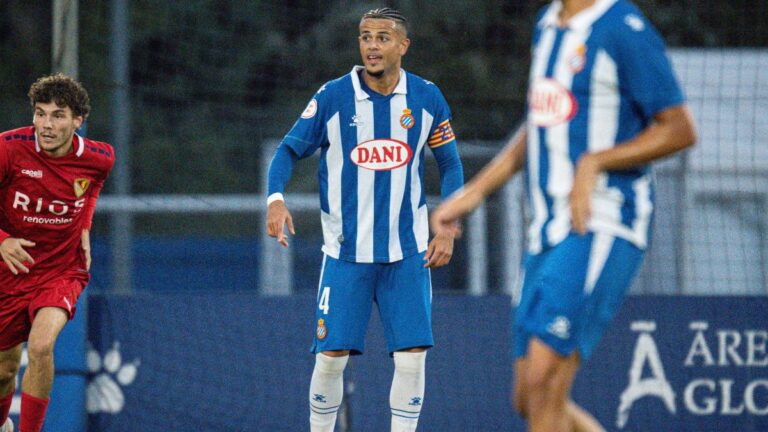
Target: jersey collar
(360,94)
(78,142)
(581,21)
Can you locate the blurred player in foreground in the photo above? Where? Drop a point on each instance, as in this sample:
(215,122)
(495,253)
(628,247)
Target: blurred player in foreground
(372,127)
(50,179)
(603,102)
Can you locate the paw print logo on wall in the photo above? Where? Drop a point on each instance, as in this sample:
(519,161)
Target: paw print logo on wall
(109,376)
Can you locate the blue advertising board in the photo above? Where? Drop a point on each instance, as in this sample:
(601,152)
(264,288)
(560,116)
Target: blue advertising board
(240,362)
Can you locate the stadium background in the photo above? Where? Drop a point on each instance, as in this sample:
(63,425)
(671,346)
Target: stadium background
(191,308)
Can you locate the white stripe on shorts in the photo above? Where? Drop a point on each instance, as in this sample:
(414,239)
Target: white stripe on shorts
(601,247)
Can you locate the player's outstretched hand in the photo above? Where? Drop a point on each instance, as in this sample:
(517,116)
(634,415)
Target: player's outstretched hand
(14,255)
(584,181)
(278,217)
(440,250)
(439,221)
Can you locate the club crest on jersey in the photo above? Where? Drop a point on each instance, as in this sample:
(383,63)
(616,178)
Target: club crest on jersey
(81,185)
(406,120)
(310,110)
(578,59)
(321,331)
(550,103)
(381,154)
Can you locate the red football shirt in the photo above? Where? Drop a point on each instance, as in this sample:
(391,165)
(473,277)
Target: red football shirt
(48,201)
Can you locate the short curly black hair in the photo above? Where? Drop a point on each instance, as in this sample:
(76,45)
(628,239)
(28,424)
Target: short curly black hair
(388,14)
(64,91)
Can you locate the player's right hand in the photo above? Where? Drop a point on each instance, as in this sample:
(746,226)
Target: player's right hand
(278,217)
(14,255)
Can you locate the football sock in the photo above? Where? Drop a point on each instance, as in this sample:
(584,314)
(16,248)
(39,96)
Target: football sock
(32,413)
(407,393)
(5,406)
(325,392)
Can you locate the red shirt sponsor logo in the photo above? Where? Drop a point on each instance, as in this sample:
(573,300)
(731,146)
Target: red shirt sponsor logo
(550,103)
(381,154)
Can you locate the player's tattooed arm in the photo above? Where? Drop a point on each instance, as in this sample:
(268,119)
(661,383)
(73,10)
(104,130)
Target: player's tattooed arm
(15,256)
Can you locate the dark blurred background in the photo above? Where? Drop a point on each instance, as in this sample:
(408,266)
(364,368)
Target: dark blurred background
(212,79)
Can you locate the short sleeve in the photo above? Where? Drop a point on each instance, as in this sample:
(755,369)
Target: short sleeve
(645,71)
(309,131)
(5,158)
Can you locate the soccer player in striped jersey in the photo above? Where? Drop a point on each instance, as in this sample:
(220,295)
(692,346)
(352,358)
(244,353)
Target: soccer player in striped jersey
(603,103)
(50,179)
(372,127)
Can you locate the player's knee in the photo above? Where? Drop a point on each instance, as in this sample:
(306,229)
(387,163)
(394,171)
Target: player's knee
(39,349)
(519,404)
(9,369)
(538,379)
(331,365)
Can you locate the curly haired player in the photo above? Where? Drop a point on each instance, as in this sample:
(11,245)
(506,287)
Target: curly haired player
(50,178)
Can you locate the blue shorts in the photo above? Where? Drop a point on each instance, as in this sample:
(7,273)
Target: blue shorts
(402,291)
(572,291)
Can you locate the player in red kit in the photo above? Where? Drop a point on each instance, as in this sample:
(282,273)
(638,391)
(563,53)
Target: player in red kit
(50,178)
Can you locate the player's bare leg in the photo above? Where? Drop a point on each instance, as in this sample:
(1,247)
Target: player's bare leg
(10,360)
(407,392)
(326,389)
(582,420)
(547,382)
(38,377)
(519,393)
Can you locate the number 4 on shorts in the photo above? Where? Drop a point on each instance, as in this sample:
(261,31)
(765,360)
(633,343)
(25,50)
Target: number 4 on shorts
(325,300)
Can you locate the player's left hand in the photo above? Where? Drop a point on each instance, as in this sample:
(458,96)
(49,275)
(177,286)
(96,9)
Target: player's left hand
(85,243)
(440,250)
(584,181)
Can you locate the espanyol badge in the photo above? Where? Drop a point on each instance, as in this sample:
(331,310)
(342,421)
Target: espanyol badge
(81,185)
(406,120)
(321,330)
(578,59)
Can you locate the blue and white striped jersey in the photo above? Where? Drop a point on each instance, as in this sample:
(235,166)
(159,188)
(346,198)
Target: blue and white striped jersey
(594,83)
(372,147)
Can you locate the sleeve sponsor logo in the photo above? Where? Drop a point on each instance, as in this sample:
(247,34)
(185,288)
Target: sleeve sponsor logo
(634,22)
(550,103)
(310,110)
(381,154)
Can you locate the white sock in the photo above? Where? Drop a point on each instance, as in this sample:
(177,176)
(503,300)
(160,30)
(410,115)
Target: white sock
(407,393)
(325,392)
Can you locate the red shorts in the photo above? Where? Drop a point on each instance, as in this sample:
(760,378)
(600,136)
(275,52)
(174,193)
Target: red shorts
(18,311)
